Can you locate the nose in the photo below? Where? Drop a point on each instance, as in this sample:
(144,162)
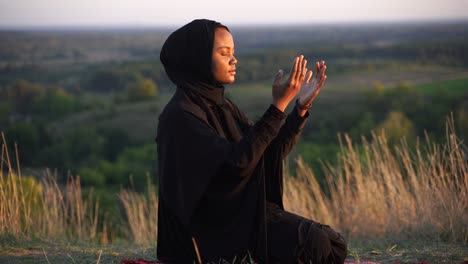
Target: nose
(233,61)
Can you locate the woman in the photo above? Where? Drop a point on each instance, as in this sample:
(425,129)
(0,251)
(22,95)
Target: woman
(220,175)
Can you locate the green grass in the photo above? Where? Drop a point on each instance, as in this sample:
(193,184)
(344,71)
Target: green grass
(138,119)
(452,87)
(383,251)
(60,252)
(418,250)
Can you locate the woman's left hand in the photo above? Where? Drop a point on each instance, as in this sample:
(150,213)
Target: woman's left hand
(311,88)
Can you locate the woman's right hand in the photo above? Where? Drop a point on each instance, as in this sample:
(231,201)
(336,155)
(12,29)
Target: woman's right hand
(283,93)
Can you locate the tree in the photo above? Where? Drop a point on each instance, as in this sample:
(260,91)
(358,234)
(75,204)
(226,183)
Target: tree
(461,122)
(114,80)
(55,103)
(110,149)
(142,90)
(4,113)
(397,126)
(22,95)
(27,136)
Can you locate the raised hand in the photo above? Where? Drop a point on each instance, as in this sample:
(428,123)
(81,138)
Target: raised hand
(283,93)
(312,86)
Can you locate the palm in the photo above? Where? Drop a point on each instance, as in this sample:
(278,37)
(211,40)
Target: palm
(283,93)
(312,86)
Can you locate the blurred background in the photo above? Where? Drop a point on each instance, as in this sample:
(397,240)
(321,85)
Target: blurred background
(81,84)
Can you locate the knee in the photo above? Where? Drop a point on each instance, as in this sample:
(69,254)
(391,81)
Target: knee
(323,245)
(339,247)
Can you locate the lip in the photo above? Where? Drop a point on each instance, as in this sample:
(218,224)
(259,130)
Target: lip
(233,72)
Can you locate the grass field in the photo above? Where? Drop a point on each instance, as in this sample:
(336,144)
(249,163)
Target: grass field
(382,251)
(392,205)
(453,87)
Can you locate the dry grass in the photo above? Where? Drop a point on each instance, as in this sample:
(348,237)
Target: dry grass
(142,214)
(374,192)
(43,209)
(377,191)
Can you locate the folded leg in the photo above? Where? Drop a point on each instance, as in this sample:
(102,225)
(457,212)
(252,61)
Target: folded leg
(295,239)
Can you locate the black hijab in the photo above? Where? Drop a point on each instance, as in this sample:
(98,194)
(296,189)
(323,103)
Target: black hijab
(186,56)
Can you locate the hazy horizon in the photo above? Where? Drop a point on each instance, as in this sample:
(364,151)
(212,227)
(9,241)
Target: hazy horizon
(237,25)
(24,14)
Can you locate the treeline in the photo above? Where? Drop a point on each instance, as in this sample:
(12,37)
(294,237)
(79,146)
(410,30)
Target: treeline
(253,65)
(28,109)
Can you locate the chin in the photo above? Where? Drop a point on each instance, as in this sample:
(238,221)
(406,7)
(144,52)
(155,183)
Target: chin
(228,81)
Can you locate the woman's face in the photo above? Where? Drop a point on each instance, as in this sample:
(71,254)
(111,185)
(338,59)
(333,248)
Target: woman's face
(223,62)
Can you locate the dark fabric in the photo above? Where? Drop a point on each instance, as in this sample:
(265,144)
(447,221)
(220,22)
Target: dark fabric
(208,184)
(186,54)
(217,169)
(295,239)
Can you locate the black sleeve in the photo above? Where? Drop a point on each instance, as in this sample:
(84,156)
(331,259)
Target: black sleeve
(244,155)
(191,153)
(277,151)
(289,134)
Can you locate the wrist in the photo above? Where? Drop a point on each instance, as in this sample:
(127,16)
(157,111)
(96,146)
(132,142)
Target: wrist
(280,105)
(302,107)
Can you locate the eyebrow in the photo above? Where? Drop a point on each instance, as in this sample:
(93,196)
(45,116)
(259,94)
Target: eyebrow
(225,47)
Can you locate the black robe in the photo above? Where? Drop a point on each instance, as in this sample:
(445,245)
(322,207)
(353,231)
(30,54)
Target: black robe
(215,189)
(217,170)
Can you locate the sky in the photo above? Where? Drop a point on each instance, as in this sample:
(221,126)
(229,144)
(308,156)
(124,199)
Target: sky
(89,13)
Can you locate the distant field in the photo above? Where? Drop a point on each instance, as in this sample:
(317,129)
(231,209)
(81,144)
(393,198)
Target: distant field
(454,87)
(138,120)
(346,89)
(340,93)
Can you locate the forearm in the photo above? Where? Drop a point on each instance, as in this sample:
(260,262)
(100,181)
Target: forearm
(289,134)
(248,151)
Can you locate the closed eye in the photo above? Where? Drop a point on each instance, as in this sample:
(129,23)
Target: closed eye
(226,51)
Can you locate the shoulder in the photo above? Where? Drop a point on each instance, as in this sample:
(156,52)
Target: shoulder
(238,113)
(180,109)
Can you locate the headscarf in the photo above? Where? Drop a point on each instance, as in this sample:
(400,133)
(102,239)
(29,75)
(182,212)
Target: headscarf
(186,56)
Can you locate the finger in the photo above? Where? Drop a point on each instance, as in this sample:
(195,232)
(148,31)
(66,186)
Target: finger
(322,81)
(294,69)
(322,65)
(303,71)
(278,77)
(299,68)
(322,71)
(308,76)
(319,87)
